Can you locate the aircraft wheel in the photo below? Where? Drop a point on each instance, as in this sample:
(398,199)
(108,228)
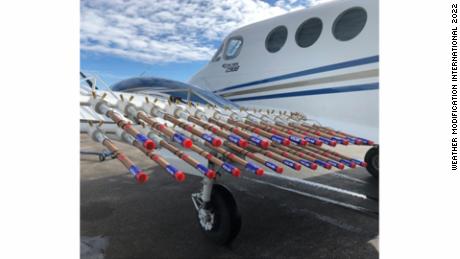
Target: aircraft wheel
(219,219)
(372,160)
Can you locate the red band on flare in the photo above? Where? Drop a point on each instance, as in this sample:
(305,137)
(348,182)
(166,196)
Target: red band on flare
(180,176)
(187,143)
(297,167)
(149,144)
(250,155)
(217,142)
(264,143)
(142,177)
(243,143)
(286,142)
(211,174)
(236,172)
(260,171)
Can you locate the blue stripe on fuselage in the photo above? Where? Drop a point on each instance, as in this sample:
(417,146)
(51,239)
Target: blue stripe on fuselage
(331,90)
(315,70)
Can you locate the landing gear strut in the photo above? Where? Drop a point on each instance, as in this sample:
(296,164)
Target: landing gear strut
(372,160)
(217,213)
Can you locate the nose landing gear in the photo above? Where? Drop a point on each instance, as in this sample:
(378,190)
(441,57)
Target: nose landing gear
(217,213)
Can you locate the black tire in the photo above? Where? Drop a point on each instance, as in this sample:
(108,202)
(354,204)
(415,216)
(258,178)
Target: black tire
(372,160)
(227,220)
(101,157)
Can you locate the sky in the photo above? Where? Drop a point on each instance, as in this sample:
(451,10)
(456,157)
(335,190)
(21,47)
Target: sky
(165,38)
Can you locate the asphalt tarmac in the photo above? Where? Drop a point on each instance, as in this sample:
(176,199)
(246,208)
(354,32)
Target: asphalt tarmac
(281,219)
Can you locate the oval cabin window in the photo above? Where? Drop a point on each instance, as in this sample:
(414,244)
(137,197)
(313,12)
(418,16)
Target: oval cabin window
(349,23)
(233,47)
(308,32)
(276,39)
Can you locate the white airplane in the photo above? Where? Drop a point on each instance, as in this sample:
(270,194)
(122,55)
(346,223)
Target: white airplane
(322,61)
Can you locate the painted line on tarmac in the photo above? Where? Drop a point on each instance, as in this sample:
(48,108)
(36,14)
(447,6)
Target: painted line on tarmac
(321,198)
(320,185)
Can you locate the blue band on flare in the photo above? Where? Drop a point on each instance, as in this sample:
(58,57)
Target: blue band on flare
(352,140)
(251,167)
(179,138)
(234,139)
(357,161)
(207,137)
(348,163)
(295,139)
(134,170)
(202,168)
(310,140)
(141,138)
(277,139)
(289,163)
(365,141)
(339,140)
(171,169)
(321,163)
(305,163)
(333,163)
(228,167)
(270,165)
(326,140)
(255,140)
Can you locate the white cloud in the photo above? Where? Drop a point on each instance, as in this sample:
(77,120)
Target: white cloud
(169,30)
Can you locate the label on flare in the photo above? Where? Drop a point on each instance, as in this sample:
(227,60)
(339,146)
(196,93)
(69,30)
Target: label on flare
(234,139)
(289,163)
(207,137)
(295,139)
(271,165)
(305,163)
(134,170)
(141,138)
(171,169)
(228,167)
(202,168)
(277,139)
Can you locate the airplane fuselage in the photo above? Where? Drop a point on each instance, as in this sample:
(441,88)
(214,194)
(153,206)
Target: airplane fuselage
(322,61)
